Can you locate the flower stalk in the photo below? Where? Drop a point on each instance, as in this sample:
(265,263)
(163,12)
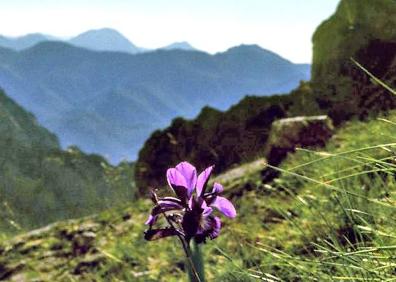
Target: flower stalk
(197,259)
(192,270)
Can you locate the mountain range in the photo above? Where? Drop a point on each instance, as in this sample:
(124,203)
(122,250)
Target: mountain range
(110,102)
(104,39)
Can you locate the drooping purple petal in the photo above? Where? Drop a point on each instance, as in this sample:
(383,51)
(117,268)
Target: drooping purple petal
(224,206)
(155,234)
(151,220)
(178,183)
(165,206)
(210,229)
(189,173)
(172,199)
(218,188)
(207,211)
(216,227)
(202,180)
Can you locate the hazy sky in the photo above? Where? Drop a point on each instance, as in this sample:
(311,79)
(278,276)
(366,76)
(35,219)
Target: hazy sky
(283,26)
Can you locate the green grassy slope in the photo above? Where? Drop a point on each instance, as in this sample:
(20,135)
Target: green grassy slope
(22,127)
(39,183)
(329,215)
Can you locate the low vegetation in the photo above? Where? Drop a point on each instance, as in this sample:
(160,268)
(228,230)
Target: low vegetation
(327,217)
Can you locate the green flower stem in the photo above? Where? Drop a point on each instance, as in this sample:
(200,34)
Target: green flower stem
(197,258)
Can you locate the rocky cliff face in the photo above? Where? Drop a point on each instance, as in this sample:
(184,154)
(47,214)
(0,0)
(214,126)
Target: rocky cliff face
(365,31)
(290,133)
(220,138)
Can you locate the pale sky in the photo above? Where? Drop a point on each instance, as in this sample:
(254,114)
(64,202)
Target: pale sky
(282,26)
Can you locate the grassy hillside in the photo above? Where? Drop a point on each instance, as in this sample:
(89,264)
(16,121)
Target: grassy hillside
(21,126)
(39,183)
(327,216)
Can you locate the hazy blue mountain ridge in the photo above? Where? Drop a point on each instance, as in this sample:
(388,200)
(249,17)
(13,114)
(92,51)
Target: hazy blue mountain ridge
(103,39)
(22,42)
(182,45)
(109,102)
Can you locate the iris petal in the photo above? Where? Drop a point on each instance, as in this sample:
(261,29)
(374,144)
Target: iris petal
(164,206)
(218,188)
(224,206)
(216,226)
(203,179)
(161,207)
(189,172)
(155,234)
(178,183)
(151,220)
(207,211)
(175,178)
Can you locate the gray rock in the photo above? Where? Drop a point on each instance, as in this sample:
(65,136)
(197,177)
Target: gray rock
(290,133)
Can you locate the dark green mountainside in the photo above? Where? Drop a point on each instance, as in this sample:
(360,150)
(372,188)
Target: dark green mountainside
(222,138)
(363,30)
(20,127)
(39,183)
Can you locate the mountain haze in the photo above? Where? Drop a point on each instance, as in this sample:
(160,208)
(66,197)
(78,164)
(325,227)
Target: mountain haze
(182,45)
(105,39)
(23,42)
(109,102)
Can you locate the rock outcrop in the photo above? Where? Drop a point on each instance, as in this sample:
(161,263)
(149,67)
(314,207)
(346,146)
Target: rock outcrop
(291,133)
(219,138)
(365,31)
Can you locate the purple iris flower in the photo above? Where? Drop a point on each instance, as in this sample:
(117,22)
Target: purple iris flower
(189,214)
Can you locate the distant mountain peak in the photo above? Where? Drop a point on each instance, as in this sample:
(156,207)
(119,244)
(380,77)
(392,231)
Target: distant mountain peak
(180,45)
(247,48)
(254,51)
(23,42)
(100,32)
(104,39)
